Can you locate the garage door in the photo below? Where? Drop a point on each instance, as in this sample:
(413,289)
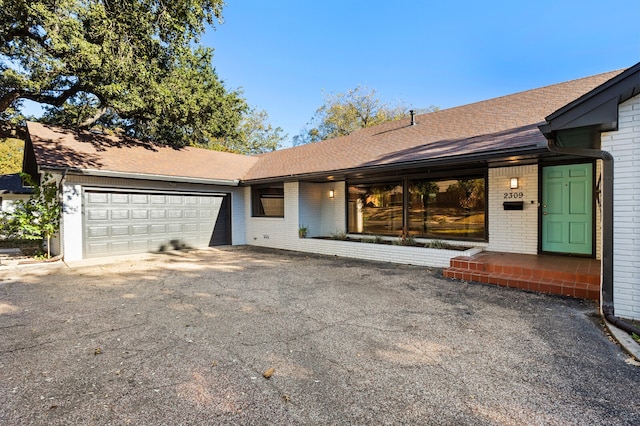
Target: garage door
(137,222)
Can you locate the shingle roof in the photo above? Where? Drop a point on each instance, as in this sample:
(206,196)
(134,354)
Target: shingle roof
(496,127)
(508,123)
(57,148)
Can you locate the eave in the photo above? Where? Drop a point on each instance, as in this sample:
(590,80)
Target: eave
(143,176)
(596,110)
(529,154)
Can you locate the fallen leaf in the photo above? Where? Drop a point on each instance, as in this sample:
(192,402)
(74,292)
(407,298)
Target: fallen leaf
(268,373)
(97,351)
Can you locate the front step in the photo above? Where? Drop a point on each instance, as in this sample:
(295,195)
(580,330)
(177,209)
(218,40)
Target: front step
(525,273)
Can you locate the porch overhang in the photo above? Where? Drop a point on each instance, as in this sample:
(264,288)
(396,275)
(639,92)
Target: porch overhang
(575,130)
(497,158)
(580,122)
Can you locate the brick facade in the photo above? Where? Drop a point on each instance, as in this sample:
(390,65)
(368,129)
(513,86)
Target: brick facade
(513,231)
(624,145)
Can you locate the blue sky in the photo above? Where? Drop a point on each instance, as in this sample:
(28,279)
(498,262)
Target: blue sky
(284,53)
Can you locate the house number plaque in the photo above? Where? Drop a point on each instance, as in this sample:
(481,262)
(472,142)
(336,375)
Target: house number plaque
(513,195)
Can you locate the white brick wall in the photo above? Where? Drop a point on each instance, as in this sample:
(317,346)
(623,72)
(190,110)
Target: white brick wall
(624,145)
(513,231)
(238,226)
(304,204)
(275,232)
(312,200)
(407,255)
(71,223)
(333,214)
(309,204)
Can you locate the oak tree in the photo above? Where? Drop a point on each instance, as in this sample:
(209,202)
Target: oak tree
(132,64)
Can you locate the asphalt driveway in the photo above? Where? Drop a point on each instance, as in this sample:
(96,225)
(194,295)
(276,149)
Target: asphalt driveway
(184,338)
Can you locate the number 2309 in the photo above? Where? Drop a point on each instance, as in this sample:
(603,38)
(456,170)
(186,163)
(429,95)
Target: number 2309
(508,195)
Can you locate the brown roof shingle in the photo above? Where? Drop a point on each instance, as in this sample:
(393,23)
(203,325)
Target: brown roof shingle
(57,148)
(496,127)
(504,123)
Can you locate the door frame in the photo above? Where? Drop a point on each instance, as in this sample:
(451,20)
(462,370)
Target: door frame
(594,216)
(226,205)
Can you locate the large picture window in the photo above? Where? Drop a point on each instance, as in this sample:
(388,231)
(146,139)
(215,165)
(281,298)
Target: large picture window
(444,208)
(447,208)
(267,201)
(376,208)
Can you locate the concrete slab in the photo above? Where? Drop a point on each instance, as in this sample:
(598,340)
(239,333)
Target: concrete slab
(627,342)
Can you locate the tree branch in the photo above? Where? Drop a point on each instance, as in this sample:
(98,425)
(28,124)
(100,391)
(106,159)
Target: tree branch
(56,101)
(8,98)
(92,120)
(22,32)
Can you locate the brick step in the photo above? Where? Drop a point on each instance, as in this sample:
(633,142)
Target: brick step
(535,274)
(571,287)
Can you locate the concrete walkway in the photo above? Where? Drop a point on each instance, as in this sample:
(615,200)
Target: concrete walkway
(184,338)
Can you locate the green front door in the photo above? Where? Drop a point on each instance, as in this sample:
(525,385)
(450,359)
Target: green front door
(567,212)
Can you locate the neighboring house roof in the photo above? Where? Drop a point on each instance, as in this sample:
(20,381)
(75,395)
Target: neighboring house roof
(98,154)
(12,184)
(497,127)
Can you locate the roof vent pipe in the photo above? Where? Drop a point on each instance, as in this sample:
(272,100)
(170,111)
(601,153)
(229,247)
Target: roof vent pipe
(413,120)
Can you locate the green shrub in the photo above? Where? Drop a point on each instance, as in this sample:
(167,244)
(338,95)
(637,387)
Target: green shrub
(36,218)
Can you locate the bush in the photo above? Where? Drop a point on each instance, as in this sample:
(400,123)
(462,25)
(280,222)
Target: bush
(38,217)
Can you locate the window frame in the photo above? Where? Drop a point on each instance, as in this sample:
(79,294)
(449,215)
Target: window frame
(392,183)
(432,207)
(413,175)
(268,191)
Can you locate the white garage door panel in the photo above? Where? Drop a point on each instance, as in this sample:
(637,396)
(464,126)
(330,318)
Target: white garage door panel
(98,231)
(142,245)
(117,230)
(140,229)
(121,222)
(139,214)
(98,215)
(97,198)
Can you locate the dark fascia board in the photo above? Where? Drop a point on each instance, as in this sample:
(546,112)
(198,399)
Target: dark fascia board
(138,176)
(597,108)
(503,156)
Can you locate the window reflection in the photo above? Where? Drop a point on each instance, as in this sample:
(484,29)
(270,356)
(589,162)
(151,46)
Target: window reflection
(376,208)
(447,208)
(451,208)
(267,201)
